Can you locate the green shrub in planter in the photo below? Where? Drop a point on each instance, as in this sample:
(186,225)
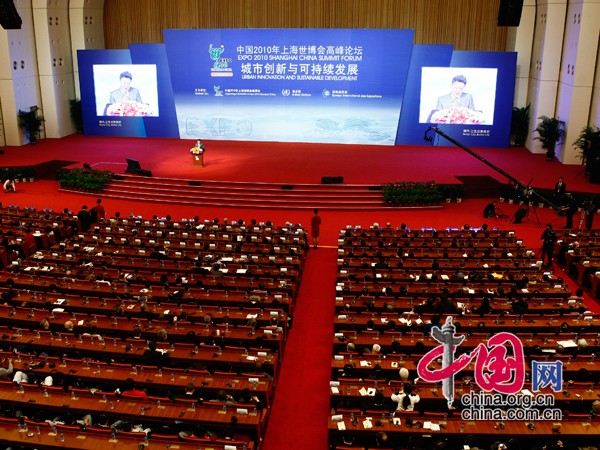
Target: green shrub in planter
(17,173)
(85,179)
(410,193)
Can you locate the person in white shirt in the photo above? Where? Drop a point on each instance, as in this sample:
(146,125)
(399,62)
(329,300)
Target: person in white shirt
(9,185)
(406,399)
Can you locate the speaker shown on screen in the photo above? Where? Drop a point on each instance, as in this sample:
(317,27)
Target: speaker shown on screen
(9,17)
(509,13)
(332,180)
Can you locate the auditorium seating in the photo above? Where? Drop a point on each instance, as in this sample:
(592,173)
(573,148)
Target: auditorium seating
(389,284)
(82,307)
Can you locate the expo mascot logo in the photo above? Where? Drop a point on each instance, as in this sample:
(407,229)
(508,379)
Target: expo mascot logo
(220,66)
(495,370)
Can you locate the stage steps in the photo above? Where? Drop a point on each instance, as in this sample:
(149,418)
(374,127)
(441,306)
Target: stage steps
(246,194)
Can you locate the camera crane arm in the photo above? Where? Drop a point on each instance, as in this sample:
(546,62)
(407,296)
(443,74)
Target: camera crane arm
(429,138)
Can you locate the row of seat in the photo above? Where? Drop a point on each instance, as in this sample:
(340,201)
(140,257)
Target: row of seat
(220,328)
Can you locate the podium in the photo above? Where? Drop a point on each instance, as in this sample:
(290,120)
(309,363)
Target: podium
(198,160)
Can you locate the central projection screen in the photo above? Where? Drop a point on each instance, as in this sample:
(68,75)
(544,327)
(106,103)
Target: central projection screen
(327,85)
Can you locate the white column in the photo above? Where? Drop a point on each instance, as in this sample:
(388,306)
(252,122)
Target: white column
(519,39)
(579,61)
(19,87)
(87,30)
(545,65)
(53,41)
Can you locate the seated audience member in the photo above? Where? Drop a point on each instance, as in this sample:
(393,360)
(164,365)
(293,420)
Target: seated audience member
(575,302)
(130,390)
(427,307)
(445,307)
(381,439)
(224,397)
(190,393)
(401,375)
(9,185)
(427,326)
(30,241)
(519,306)
(161,334)
(154,357)
(484,308)
(406,399)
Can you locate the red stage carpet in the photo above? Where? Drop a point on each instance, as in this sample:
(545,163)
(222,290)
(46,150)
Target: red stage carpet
(299,163)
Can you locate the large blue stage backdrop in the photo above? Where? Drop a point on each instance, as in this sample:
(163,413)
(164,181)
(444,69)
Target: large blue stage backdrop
(323,86)
(341,86)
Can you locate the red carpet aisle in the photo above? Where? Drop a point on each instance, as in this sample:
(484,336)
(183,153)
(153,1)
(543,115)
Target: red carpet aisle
(299,415)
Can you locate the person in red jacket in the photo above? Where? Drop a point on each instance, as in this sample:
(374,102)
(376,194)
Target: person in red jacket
(315,228)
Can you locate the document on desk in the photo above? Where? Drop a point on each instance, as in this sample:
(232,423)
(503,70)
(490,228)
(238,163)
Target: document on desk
(341,426)
(367,424)
(567,344)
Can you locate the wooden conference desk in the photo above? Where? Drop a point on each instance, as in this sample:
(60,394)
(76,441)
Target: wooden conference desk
(131,409)
(573,430)
(96,439)
(180,354)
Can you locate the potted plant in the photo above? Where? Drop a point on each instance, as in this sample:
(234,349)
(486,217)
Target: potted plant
(519,126)
(588,143)
(31,122)
(550,132)
(76,113)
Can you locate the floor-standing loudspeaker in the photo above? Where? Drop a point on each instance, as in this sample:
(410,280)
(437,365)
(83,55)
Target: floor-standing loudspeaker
(332,180)
(509,13)
(9,17)
(594,167)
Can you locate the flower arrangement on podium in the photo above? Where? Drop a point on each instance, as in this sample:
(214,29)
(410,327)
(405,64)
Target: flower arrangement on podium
(197,153)
(129,109)
(457,116)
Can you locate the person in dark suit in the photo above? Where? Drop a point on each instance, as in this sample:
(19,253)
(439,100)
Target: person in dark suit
(560,191)
(85,218)
(152,357)
(590,209)
(571,209)
(456,98)
(490,210)
(484,308)
(446,307)
(548,240)
(125,92)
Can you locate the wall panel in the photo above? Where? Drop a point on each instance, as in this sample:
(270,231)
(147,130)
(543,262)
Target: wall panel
(466,24)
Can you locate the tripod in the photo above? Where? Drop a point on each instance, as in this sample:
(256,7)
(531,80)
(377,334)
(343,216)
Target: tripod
(523,212)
